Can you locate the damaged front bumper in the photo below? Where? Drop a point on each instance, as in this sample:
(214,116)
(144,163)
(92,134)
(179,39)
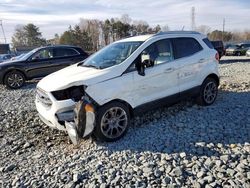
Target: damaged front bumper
(84,121)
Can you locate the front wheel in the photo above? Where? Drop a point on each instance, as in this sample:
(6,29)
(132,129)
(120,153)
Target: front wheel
(208,92)
(112,121)
(14,80)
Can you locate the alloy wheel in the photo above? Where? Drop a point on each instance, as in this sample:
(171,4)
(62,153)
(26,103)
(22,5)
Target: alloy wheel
(15,80)
(210,92)
(114,122)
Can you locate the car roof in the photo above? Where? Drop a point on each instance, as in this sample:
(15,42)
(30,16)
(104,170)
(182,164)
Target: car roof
(137,38)
(57,46)
(143,38)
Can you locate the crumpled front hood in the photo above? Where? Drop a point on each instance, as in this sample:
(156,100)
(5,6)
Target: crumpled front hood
(73,76)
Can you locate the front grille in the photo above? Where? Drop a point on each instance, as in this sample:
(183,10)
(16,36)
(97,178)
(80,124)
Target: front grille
(43,98)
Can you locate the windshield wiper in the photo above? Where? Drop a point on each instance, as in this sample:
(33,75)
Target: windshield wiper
(96,67)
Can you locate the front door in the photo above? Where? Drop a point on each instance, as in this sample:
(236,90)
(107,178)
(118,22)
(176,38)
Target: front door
(41,63)
(161,78)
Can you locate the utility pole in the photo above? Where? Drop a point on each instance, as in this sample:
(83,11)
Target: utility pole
(1,24)
(193,18)
(223,30)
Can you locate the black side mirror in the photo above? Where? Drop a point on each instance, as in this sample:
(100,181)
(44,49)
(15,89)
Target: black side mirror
(141,69)
(142,63)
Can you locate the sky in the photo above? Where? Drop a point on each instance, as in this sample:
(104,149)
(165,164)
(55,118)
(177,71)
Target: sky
(55,16)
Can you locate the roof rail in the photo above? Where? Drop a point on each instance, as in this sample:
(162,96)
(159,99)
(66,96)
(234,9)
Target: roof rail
(176,32)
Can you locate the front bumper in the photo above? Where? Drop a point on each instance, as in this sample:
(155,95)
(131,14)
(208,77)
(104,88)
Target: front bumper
(61,115)
(55,115)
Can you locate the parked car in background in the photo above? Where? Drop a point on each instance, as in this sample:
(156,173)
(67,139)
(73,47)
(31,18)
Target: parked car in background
(128,76)
(218,45)
(226,46)
(5,57)
(238,49)
(248,53)
(39,63)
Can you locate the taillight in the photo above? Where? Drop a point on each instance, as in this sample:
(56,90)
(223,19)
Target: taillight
(217,57)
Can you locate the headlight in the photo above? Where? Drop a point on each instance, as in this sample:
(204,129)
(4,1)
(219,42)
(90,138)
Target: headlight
(75,93)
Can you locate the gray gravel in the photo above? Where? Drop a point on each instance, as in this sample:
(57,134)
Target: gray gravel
(181,146)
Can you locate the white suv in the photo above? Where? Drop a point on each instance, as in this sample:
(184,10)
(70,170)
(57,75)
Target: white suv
(127,77)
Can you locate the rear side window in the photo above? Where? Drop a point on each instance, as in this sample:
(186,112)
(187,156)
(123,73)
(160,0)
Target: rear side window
(184,47)
(62,52)
(208,43)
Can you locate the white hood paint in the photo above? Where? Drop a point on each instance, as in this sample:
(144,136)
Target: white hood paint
(74,76)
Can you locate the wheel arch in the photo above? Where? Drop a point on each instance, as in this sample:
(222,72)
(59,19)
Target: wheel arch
(130,108)
(215,77)
(14,69)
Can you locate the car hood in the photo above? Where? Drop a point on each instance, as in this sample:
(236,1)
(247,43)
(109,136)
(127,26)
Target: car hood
(73,76)
(9,62)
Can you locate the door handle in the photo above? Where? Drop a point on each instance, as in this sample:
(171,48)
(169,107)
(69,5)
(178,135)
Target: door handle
(169,70)
(201,60)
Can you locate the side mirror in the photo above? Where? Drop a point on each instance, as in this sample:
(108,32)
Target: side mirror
(34,58)
(142,63)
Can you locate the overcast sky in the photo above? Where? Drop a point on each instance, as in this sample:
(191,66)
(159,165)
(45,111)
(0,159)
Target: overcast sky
(54,16)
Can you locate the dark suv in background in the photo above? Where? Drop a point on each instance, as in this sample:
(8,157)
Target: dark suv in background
(39,63)
(218,45)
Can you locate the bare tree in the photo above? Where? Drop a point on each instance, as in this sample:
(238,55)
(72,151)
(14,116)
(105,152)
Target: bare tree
(165,28)
(126,19)
(92,28)
(203,29)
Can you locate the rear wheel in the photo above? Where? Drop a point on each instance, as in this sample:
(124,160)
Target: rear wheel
(208,92)
(112,121)
(14,80)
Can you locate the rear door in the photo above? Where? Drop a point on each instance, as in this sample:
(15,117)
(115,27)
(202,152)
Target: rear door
(189,54)
(65,56)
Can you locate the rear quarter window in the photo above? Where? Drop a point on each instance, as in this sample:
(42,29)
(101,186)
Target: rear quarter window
(208,43)
(185,46)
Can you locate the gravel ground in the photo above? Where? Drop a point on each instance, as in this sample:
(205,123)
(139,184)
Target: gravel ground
(181,146)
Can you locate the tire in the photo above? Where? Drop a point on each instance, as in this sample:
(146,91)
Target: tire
(208,92)
(14,80)
(112,122)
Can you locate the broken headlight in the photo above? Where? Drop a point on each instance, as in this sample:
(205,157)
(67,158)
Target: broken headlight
(75,93)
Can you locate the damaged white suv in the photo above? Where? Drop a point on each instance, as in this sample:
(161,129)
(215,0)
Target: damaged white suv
(101,94)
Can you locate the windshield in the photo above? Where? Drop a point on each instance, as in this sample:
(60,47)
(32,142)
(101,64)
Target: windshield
(111,55)
(27,55)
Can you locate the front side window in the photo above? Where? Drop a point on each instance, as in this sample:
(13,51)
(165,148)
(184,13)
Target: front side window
(157,53)
(62,52)
(184,47)
(160,52)
(111,55)
(43,54)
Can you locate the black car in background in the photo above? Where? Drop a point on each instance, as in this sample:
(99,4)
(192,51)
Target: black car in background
(39,63)
(218,45)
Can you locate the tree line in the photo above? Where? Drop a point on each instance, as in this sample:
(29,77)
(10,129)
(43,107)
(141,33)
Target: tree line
(93,34)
